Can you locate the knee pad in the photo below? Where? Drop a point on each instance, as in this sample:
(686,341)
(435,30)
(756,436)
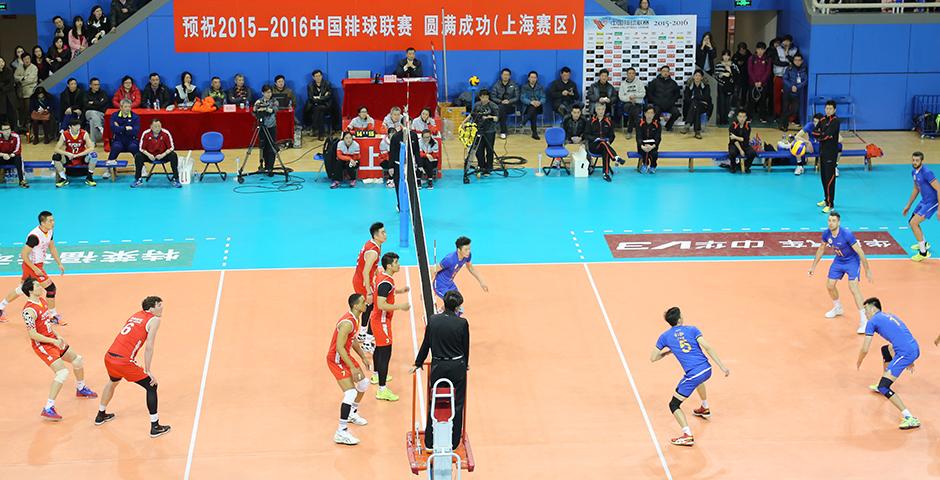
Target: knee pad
(674,404)
(349,396)
(50,290)
(61,375)
(362,385)
(78,362)
(886,353)
(884,387)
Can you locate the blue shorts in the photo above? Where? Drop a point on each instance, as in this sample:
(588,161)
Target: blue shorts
(689,383)
(441,288)
(926,209)
(902,360)
(852,268)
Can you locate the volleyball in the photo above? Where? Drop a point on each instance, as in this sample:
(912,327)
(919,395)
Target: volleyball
(798,148)
(474,81)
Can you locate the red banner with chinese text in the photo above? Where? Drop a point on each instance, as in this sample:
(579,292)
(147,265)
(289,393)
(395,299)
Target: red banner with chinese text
(739,244)
(305,25)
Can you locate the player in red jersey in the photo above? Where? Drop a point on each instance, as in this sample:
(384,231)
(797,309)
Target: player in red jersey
(384,287)
(72,150)
(38,243)
(139,331)
(368,261)
(51,348)
(349,375)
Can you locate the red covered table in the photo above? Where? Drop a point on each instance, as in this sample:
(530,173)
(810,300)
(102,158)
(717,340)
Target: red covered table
(380,97)
(187,126)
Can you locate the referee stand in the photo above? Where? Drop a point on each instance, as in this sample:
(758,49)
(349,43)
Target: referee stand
(441,459)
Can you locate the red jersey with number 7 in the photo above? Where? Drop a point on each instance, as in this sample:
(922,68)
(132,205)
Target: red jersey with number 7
(132,336)
(370,246)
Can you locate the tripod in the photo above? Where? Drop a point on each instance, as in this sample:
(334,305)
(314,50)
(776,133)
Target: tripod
(255,139)
(471,168)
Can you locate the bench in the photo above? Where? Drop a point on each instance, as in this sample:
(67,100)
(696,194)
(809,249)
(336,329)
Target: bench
(722,155)
(111,165)
(691,156)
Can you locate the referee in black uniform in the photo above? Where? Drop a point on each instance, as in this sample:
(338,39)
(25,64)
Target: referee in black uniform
(827,134)
(448,337)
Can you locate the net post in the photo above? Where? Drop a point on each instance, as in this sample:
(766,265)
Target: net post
(404,216)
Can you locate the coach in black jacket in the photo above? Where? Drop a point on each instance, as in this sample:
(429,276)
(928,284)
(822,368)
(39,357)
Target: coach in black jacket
(663,92)
(575,126)
(739,143)
(827,134)
(649,134)
(600,136)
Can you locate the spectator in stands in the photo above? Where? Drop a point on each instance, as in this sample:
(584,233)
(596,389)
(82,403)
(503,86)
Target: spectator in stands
(705,55)
(156,95)
(319,103)
(8,102)
(648,137)
(58,54)
(782,58)
(156,144)
(17,57)
(505,94)
(98,25)
(347,153)
(362,122)
(602,91)
(185,94)
(71,151)
(239,94)
(739,143)
(632,95)
(27,76)
(42,66)
(758,73)
(214,91)
(11,151)
(532,96)
(600,138)
(60,30)
(485,113)
(794,85)
(71,101)
(95,104)
(409,67)
(741,60)
(388,166)
(265,109)
(125,131)
(394,121)
(40,115)
(78,39)
(424,122)
(127,91)
(697,102)
(644,8)
(122,10)
(428,151)
(727,76)
(563,93)
(663,92)
(282,94)
(575,126)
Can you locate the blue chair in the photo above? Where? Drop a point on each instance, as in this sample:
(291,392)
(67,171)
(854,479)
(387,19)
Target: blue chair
(555,149)
(212,144)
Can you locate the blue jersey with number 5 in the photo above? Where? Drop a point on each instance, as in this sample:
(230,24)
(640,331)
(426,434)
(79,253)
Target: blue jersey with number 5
(682,340)
(841,244)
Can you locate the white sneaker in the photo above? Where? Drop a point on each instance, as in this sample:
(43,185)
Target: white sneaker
(502,136)
(799,170)
(107,174)
(355,419)
(835,312)
(837,171)
(345,437)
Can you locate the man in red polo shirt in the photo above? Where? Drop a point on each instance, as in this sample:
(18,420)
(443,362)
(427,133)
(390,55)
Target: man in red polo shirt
(156,145)
(11,152)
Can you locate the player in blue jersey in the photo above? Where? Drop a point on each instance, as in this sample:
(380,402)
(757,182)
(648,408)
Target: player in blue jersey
(687,344)
(926,184)
(906,351)
(848,260)
(445,272)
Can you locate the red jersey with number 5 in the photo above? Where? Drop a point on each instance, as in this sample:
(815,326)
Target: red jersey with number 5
(358,285)
(132,336)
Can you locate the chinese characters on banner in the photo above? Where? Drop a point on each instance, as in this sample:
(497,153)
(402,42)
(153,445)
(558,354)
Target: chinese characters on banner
(303,25)
(122,256)
(741,244)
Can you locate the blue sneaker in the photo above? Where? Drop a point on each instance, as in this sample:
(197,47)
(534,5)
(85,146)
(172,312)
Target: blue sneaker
(652,170)
(177,184)
(137,183)
(50,414)
(85,392)
(643,169)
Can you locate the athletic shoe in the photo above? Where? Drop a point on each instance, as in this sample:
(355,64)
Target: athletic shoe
(335,184)
(103,418)
(50,414)
(644,169)
(386,395)
(607,177)
(137,183)
(502,136)
(159,430)
(107,174)
(352,184)
(24,184)
(909,423)
(698,135)
(874,388)
(827,209)
(345,437)
(57,320)
(835,312)
(916,247)
(91,182)
(355,419)
(430,185)
(85,392)
(61,182)
(619,160)
(3,318)
(176,184)
(652,171)
(821,203)
(702,412)
(375,377)
(920,258)
(799,170)
(837,171)
(684,440)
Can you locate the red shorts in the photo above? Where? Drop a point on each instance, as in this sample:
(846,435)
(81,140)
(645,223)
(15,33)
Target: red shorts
(120,367)
(340,371)
(382,330)
(29,273)
(48,352)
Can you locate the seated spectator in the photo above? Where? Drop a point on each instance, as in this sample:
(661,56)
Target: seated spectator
(409,67)
(42,66)
(794,85)
(71,101)
(727,76)
(429,155)
(40,115)
(505,93)
(394,121)
(663,92)
(649,134)
(71,151)
(602,91)
(697,102)
(644,8)
(156,95)
(127,91)
(533,96)
(239,94)
(8,103)
(563,93)
(78,41)
(362,122)
(600,138)
(758,73)
(739,143)
(122,10)
(156,144)
(11,151)
(60,30)
(214,90)
(347,153)
(95,104)
(185,94)
(575,126)
(98,25)
(319,103)
(125,131)
(282,94)
(424,122)
(632,94)
(27,76)
(58,54)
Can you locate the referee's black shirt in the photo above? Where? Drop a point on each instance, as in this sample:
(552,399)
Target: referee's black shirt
(448,336)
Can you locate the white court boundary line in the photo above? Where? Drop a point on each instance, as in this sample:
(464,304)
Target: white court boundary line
(626,368)
(414,346)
